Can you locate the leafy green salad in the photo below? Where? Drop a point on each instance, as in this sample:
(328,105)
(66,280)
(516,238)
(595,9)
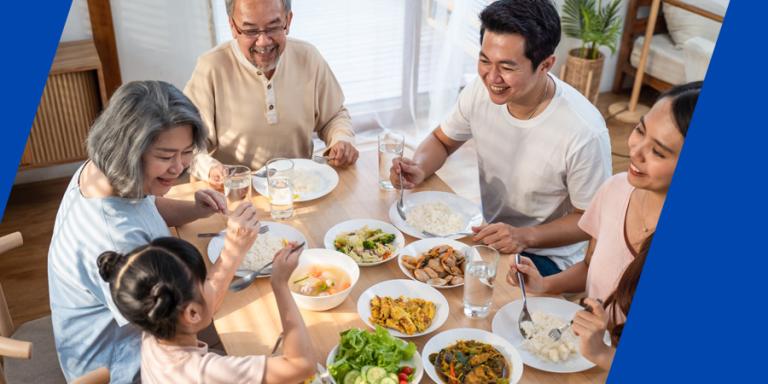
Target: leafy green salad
(372,358)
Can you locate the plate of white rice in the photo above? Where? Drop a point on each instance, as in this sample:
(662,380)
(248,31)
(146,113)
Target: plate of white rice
(310,180)
(263,249)
(541,352)
(441,213)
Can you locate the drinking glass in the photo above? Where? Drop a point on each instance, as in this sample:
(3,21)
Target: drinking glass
(391,145)
(237,185)
(280,188)
(479,277)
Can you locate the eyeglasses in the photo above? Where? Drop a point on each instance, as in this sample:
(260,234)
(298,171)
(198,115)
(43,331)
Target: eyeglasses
(254,33)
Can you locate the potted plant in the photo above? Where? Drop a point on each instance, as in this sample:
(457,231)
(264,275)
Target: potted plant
(596,26)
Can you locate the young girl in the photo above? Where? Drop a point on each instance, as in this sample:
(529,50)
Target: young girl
(165,290)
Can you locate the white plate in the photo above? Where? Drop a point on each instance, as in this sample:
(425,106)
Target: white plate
(467,209)
(418,247)
(280,230)
(505,325)
(410,289)
(450,337)
(329,179)
(414,362)
(353,225)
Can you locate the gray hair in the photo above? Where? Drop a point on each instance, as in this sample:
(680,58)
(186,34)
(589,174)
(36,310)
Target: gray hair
(137,113)
(231,6)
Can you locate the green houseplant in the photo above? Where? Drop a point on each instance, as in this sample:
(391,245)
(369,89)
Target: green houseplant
(596,25)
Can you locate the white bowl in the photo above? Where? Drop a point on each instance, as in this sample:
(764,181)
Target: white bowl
(318,256)
(353,225)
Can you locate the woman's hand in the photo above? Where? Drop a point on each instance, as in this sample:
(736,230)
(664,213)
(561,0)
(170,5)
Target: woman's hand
(413,175)
(534,282)
(242,229)
(208,202)
(342,154)
(216,177)
(284,263)
(504,237)
(591,327)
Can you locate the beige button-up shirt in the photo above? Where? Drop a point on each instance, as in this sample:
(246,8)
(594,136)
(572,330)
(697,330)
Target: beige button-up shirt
(252,119)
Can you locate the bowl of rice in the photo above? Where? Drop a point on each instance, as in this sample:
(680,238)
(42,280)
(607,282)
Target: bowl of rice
(263,249)
(440,213)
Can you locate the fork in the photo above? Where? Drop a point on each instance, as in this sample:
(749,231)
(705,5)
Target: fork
(245,281)
(320,159)
(462,234)
(556,333)
(264,229)
(525,315)
(400,209)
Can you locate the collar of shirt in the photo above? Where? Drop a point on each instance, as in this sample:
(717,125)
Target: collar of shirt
(270,105)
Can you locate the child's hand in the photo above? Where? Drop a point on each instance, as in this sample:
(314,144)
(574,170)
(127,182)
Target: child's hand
(242,229)
(284,263)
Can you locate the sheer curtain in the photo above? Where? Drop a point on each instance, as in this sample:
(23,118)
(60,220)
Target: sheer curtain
(401,63)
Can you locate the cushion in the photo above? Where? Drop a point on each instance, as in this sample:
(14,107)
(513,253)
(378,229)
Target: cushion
(44,365)
(684,25)
(697,53)
(665,61)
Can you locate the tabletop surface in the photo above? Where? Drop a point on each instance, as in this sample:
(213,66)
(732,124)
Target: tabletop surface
(248,321)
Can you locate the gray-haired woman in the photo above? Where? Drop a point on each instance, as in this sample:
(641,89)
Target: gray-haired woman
(140,145)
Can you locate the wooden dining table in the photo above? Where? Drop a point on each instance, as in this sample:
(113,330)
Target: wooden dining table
(248,321)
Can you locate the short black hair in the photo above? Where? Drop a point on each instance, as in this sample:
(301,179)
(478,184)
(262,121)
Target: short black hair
(537,21)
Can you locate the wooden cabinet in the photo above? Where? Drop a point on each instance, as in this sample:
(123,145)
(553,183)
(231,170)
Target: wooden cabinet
(73,96)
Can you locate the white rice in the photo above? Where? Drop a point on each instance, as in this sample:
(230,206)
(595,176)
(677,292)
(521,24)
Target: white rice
(542,345)
(305,181)
(262,252)
(437,218)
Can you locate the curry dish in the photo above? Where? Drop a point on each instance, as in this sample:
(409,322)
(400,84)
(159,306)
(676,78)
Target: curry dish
(406,315)
(470,362)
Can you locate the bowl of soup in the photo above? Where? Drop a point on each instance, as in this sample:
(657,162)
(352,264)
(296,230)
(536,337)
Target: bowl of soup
(323,279)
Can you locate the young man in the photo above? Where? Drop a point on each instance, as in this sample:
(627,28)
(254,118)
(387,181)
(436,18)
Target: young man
(263,95)
(543,150)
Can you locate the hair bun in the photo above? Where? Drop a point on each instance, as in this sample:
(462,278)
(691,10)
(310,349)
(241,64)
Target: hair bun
(164,299)
(108,264)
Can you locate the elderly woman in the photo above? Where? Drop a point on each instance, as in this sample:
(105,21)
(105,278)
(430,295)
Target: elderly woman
(140,145)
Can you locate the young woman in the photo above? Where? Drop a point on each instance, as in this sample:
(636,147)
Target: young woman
(163,288)
(623,215)
(137,148)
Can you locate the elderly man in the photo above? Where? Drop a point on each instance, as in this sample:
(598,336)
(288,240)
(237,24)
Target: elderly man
(263,95)
(543,150)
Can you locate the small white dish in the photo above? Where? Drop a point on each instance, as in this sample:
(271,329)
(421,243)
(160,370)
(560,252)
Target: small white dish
(353,225)
(421,246)
(409,289)
(326,176)
(450,337)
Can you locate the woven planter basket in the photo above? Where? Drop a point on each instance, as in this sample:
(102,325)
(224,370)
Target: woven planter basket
(584,74)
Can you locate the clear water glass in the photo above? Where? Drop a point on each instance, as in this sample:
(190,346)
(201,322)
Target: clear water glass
(237,185)
(391,146)
(479,277)
(280,188)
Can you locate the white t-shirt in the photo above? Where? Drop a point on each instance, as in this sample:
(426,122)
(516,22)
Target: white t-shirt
(535,171)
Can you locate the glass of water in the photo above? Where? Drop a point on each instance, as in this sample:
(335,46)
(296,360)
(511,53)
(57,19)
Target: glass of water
(237,185)
(280,188)
(479,278)
(391,145)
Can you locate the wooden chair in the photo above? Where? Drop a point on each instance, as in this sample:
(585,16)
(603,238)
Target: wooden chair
(16,344)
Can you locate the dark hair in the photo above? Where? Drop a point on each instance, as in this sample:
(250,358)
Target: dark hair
(151,284)
(621,298)
(537,21)
(684,98)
